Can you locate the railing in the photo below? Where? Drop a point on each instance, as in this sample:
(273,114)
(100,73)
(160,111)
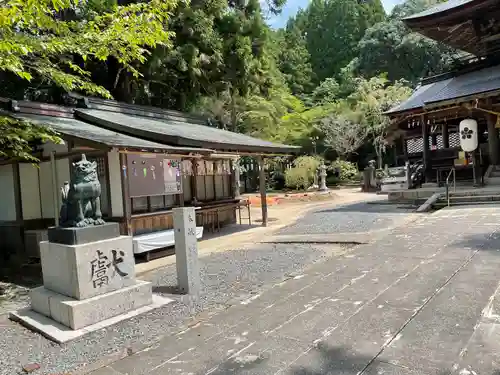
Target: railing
(451,173)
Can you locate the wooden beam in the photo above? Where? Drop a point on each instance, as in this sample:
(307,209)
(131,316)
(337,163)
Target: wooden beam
(262,188)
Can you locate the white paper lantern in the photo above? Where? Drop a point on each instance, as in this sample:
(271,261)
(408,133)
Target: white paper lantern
(468,135)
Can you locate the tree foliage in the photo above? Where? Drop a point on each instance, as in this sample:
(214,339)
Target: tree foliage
(49,42)
(322,82)
(342,135)
(333,29)
(390,47)
(38,42)
(294,60)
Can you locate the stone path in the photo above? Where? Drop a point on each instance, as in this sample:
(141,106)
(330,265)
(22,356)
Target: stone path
(228,277)
(420,301)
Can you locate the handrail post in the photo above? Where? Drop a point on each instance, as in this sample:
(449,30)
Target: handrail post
(447,191)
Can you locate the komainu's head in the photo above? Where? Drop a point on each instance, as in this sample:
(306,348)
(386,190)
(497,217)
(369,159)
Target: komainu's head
(84,170)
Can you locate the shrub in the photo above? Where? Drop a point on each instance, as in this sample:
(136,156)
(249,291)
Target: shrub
(309,164)
(301,175)
(347,171)
(277,180)
(296,178)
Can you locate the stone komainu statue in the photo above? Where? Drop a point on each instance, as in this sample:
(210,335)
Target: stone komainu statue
(81,198)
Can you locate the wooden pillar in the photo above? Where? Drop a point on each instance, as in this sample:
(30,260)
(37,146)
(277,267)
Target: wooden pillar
(425,151)
(478,174)
(434,139)
(127,200)
(493,142)
(194,185)
(446,135)
(405,148)
(19,205)
(235,178)
(262,188)
(55,188)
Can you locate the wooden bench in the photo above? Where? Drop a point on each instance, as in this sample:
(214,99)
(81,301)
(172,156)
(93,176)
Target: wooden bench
(208,216)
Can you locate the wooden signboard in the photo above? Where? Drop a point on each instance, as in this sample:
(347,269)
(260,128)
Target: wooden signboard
(150,174)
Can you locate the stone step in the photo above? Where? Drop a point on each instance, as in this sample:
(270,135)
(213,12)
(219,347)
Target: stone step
(79,314)
(475,198)
(440,205)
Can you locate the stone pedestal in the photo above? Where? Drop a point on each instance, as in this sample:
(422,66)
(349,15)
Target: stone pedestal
(186,250)
(88,284)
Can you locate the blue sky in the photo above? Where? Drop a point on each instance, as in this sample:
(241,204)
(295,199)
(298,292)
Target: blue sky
(292,6)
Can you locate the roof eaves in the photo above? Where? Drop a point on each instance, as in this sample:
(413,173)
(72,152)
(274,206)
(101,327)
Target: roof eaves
(180,141)
(439,10)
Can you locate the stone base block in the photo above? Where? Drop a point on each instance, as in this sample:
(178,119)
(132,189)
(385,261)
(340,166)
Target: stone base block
(88,270)
(60,334)
(78,314)
(80,236)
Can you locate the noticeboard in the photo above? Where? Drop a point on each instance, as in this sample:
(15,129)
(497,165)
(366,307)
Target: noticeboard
(150,174)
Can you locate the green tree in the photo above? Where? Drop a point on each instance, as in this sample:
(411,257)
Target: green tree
(294,59)
(333,29)
(327,92)
(343,133)
(177,77)
(371,99)
(40,42)
(390,47)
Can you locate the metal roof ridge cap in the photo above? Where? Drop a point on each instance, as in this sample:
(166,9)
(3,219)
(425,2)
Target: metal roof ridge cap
(96,121)
(142,108)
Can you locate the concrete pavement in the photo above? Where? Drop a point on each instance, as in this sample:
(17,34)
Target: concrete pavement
(419,300)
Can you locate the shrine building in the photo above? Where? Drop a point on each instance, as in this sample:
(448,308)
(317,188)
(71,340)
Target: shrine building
(149,161)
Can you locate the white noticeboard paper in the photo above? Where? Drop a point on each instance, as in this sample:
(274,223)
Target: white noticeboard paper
(172,176)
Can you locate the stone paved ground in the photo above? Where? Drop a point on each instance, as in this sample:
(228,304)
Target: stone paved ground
(411,303)
(358,217)
(228,278)
(417,302)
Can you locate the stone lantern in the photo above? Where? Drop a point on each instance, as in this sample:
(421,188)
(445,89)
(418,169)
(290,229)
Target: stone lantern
(322,177)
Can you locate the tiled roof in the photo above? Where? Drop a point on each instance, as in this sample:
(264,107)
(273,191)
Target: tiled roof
(443,7)
(179,133)
(84,131)
(473,83)
(416,100)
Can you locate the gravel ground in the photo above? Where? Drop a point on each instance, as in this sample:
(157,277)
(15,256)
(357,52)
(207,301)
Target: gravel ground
(226,277)
(349,218)
(12,297)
